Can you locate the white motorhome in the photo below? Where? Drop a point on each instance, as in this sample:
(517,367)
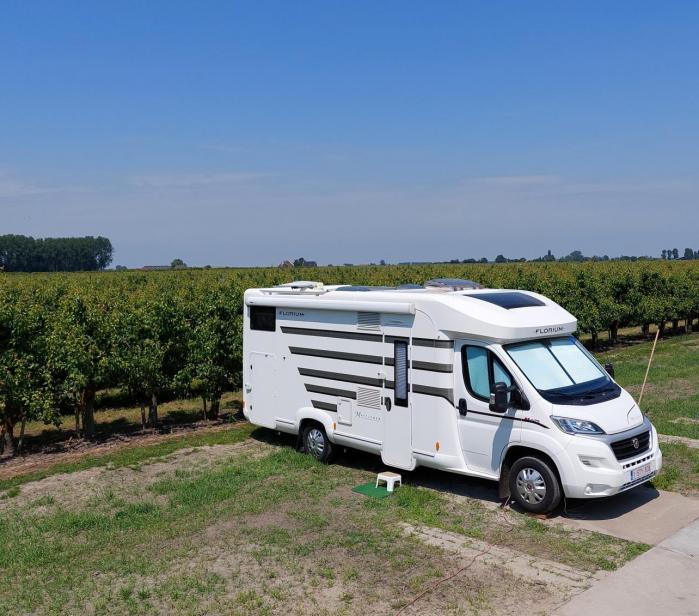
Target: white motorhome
(480,382)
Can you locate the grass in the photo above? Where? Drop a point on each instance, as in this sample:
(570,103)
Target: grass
(680,469)
(130,455)
(277,528)
(671,398)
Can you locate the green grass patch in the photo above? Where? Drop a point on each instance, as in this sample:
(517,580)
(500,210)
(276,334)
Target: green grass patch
(680,468)
(671,398)
(55,560)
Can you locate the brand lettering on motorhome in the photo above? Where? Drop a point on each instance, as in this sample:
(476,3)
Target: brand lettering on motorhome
(549,330)
(291,313)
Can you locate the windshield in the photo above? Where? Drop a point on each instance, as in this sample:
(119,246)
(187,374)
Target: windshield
(561,369)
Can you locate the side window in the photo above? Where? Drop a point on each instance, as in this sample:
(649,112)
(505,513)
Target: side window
(500,374)
(400,367)
(481,370)
(478,381)
(263,318)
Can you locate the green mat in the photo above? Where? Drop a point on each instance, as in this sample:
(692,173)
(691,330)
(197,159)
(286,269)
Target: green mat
(370,489)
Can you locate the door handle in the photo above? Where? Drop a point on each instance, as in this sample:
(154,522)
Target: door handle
(462,407)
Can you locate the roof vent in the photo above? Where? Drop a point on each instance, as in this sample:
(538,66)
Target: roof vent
(302,284)
(452,284)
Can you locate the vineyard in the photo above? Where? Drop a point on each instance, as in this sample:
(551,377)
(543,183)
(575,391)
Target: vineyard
(66,337)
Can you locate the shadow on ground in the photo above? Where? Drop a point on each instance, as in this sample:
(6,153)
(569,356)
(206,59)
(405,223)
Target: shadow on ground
(483,490)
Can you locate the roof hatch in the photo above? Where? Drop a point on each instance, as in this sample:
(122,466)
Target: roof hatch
(507,299)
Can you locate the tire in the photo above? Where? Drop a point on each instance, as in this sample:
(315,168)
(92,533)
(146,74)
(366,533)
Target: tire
(317,444)
(534,485)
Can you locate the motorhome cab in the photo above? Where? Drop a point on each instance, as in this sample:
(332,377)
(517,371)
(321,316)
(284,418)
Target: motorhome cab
(480,382)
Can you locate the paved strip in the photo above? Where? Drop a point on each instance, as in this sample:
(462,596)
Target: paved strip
(664,580)
(643,514)
(533,569)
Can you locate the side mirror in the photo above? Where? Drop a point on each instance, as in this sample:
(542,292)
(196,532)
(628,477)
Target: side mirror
(498,397)
(610,369)
(462,407)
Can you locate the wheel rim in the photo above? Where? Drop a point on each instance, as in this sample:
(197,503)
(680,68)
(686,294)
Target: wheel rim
(531,486)
(315,442)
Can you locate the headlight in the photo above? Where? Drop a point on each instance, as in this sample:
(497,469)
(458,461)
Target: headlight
(577,426)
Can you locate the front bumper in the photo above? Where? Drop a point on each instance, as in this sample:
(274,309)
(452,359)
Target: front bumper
(596,472)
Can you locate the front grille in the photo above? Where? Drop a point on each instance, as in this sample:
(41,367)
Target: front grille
(625,448)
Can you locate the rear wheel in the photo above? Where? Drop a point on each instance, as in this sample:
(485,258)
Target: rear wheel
(534,485)
(316,443)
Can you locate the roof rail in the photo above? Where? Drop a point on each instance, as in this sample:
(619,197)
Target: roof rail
(452,284)
(298,287)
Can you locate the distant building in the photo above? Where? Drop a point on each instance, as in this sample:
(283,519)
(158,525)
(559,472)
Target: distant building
(150,268)
(286,263)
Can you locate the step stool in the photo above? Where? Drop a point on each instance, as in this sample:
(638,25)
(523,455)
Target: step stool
(390,479)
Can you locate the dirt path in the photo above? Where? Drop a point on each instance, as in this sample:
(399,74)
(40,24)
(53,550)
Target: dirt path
(689,442)
(77,490)
(78,449)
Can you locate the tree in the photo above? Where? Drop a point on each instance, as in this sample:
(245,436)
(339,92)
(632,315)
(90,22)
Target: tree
(688,254)
(500,259)
(26,388)
(215,344)
(19,253)
(79,351)
(178,264)
(576,256)
(663,255)
(675,253)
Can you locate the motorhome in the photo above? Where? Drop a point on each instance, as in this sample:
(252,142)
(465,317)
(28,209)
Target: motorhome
(487,383)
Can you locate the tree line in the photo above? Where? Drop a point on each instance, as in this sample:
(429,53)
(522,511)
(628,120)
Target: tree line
(19,253)
(65,337)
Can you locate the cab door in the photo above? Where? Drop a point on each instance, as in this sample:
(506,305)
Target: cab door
(483,435)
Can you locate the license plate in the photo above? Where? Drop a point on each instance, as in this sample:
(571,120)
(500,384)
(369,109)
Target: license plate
(641,471)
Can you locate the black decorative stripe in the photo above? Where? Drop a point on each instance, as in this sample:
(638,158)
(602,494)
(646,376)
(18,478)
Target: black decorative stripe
(331,333)
(339,376)
(331,391)
(510,417)
(426,390)
(326,406)
(441,392)
(437,344)
(427,366)
(396,339)
(368,359)
(432,366)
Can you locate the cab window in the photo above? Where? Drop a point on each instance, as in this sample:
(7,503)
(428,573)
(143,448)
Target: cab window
(481,369)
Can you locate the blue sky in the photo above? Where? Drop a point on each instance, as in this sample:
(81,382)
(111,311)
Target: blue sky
(229,133)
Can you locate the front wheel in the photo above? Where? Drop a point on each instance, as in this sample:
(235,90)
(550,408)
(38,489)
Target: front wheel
(316,443)
(534,485)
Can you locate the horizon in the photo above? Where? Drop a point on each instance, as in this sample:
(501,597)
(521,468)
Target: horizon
(255,133)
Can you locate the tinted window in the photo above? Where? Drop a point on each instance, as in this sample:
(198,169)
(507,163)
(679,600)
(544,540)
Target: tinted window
(481,370)
(263,318)
(400,366)
(508,300)
(477,364)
